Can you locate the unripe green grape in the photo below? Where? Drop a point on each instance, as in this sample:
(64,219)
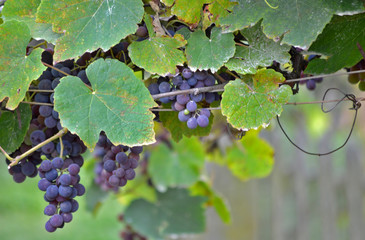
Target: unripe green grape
(362,85)
(353,78)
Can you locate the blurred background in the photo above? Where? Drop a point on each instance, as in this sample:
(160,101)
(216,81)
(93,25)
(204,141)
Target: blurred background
(305,197)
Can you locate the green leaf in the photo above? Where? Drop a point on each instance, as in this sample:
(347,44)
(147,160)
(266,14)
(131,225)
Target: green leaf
(175,212)
(204,53)
(343,33)
(89,25)
(94,197)
(261,52)
(253,157)
(25,11)
(14,126)
(217,10)
(118,104)
(202,188)
(300,21)
(189,11)
(17,71)
(249,107)
(158,54)
(179,166)
(168,3)
(179,129)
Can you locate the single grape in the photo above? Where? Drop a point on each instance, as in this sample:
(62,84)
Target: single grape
(182,117)
(50,210)
(65,191)
(202,120)
(362,85)
(37,136)
(74,169)
(80,189)
(153,88)
(43,184)
(209,81)
(51,175)
(19,177)
(130,174)
(50,122)
(52,191)
(57,163)
(164,87)
(121,157)
(311,84)
(65,179)
(197,98)
(67,217)
(187,73)
(109,165)
(182,99)
(192,81)
(56,220)
(177,81)
(49,227)
(114,181)
(192,123)
(142,32)
(200,75)
(28,168)
(66,206)
(55,83)
(209,97)
(48,148)
(191,106)
(205,112)
(137,149)
(45,84)
(185,86)
(178,107)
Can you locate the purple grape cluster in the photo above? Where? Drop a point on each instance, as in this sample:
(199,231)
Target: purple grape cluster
(187,104)
(117,164)
(60,180)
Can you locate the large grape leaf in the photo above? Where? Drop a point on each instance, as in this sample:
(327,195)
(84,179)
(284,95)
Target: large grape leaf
(216,10)
(118,104)
(249,107)
(343,33)
(189,11)
(17,71)
(179,129)
(252,157)
(301,21)
(25,10)
(202,188)
(14,126)
(174,213)
(205,53)
(89,25)
(158,54)
(179,166)
(260,52)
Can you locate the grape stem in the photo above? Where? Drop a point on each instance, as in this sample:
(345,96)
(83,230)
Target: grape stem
(361,50)
(61,150)
(37,103)
(15,161)
(6,154)
(39,90)
(171,110)
(324,76)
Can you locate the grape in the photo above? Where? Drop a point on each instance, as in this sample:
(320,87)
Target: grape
(362,85)
(186,112)
(192,81)
(121,157)
(45,84)
(67,147)
(197,98)
(200,75)
(137,149)
(74,169)
(56,220)
(122,182)
(130,174)
(205,112)
(52,191)
(37,136)
(65,70)
(127,164)
(46,75)
(142,32)
(65,179)
(165,100)
(353,78)
(311,84)
(43,184)
(67,217)
(192,123)
(80,189)
(46,166)
(55,83)
(75,205)
(109,165)
(209,97)
(66,206)
(51,175)
(54,72)
(57,163)
(28,168)
(153,88)
(48,148)
(203,121)
(19,177)
(49,227)
(209,81)
(177,81)
(182,99)
(65,191)
(83,77)
(182,117)
(42,98)
(191,106)
(187,73)
(76,149)
(134,163)
(79,160)
(185,86)
(50,122)
(114,181)
(50,210)
(75,180)
(164,87)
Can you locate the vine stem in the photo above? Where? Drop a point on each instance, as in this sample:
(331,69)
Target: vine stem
(324,76)
(61,143)
(215,88)
(37,103)
(39,90)
(15,161)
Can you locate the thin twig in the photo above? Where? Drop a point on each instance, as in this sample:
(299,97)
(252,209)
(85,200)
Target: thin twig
(171,110)
(361,50)
(215,88)
(39,90)
(6,154)
(61,150)
(33,149)
(324,76)
(37,103)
